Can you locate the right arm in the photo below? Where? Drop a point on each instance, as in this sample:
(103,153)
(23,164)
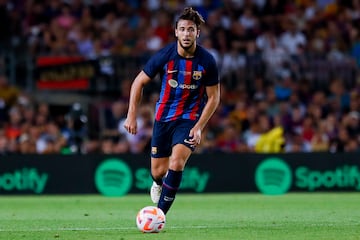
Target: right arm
(137,86)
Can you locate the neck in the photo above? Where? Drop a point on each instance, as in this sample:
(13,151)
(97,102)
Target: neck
(186,52)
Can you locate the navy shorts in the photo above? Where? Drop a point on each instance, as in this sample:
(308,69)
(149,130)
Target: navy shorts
(167,134)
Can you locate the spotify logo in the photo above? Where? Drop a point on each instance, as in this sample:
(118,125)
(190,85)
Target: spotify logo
(273,176)
(113,177)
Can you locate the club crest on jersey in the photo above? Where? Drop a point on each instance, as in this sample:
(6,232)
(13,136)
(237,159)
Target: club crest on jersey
(197,75)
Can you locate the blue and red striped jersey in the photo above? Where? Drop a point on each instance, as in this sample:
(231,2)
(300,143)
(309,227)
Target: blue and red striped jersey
(183,82)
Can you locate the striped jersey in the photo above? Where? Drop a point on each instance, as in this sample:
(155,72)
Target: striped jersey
(183,82)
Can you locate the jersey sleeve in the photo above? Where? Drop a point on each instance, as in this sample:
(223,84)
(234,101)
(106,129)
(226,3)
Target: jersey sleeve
(157,61)
(212,72)
(153,66)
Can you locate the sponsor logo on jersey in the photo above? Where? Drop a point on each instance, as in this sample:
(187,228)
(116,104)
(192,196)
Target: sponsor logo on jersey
(187,86)
(173,83)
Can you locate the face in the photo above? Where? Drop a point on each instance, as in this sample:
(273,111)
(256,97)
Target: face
(186,33)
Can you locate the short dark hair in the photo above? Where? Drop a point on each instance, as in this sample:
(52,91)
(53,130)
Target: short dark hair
(190,14)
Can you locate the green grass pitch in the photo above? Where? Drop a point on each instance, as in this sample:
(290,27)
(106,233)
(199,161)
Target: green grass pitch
(193,216)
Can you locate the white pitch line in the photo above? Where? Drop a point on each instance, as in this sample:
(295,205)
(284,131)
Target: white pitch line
(92,229)
(169,227)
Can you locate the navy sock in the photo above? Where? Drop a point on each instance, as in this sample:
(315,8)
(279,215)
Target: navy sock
(158,181)
(170,187)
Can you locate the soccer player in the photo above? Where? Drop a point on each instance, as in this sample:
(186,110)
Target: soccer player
(189,96)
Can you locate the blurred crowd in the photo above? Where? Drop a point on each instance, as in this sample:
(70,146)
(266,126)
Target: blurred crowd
(289,73)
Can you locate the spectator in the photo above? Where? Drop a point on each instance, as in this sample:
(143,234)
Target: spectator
(352,145)
(352,123)
(295,143)
(13,127)
(8,97)
(338,94)
(163,26)
(228,140)
(252,135)
(271,141)
(26,145)
(50,140)
(65,19)
(249,21)
(107,146)
(320,141)
(292,38)
(111,24)
(275,57)
(113,118)
(85,43)
(3,143)
(339,143)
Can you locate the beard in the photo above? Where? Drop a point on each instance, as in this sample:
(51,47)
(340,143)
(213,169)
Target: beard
(186,48)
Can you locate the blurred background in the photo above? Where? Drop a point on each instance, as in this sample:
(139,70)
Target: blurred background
(289,74)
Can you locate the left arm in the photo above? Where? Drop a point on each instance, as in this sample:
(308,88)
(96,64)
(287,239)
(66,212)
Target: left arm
(213,93)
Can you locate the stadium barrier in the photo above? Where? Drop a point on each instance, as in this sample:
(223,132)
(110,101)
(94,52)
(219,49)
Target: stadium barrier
(118,175)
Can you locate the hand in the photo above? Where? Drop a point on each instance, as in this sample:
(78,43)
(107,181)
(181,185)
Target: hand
(130,125)
(195,135)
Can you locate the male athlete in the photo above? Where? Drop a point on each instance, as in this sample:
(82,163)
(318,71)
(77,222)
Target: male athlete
(189,96)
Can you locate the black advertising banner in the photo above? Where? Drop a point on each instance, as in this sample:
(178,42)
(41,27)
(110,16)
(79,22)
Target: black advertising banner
(117,175)
(64,73)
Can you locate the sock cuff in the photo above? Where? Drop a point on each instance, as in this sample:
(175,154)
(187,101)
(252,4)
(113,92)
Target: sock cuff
(169,187)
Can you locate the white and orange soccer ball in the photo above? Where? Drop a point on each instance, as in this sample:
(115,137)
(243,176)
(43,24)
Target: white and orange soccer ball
(150,219)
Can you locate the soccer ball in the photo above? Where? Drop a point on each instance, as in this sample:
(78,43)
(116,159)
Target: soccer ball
(150,219)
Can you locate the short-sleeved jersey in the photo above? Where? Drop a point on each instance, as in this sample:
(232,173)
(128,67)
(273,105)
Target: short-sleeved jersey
(183,82)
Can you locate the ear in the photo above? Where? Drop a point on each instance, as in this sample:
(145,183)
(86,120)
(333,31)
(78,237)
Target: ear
(176,34)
